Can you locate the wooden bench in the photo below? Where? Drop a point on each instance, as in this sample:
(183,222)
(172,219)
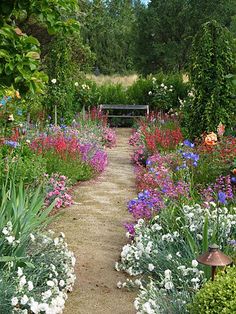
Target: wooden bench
(124,107)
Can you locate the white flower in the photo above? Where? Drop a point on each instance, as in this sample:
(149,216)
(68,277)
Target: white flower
(5,231)
(46,295)
(147,308)
(27,141)
(56,241)
(10,239)
(24,300)
(169,257)
(150,92)
(44,307)
(136,304)
(22,281)
(119,285)
(19,272)
(138,282)
(53,81)
(76,84)
(195,280)
(194,263)
(34,306)
(168,274)
(117,266)
(61,283)
(169,285)
(192,228)
(30,285)
(151,267)
(62,234)
(14,301)
(50,283)
(32,237)
(178,254)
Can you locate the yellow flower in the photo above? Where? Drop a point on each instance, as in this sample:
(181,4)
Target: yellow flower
(17,94)
(10,117)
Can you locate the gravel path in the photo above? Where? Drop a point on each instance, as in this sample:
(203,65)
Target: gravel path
(94,231)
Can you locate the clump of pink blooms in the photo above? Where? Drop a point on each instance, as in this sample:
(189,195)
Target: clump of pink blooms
(58,190)
(135,138)
(109,137)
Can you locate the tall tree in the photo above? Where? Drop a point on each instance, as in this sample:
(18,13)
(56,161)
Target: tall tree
(107,28)
(166,29)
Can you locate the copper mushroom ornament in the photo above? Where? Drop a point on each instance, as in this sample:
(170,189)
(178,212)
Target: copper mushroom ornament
(214,257)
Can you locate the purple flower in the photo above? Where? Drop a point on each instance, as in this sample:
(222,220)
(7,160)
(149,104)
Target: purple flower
(222,197)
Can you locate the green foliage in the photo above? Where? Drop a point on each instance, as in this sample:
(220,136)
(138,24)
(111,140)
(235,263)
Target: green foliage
(19,61)
(21,164)
(73,168)
(218,296)
(212,60)
(57,15)
(7,289)
(21,213)
(19,53)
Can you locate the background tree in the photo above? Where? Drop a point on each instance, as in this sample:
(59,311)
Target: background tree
(107,27)
(212,61)
(166,28)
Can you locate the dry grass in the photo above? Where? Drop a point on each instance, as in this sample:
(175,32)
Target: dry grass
(113,79)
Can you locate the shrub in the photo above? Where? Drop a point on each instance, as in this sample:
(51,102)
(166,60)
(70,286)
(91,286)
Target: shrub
(218,296)
(161,92)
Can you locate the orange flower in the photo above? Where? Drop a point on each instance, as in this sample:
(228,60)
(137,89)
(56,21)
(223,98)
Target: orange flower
(221,129)
(211,139)
(234,171)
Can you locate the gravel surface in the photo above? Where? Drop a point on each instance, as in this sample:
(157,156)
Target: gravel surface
(94,231)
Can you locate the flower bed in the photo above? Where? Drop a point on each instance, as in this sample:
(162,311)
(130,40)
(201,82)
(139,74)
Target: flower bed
(186,201)
(38,169)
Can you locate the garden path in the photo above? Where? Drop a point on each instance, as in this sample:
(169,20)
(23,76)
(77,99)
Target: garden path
(94,231)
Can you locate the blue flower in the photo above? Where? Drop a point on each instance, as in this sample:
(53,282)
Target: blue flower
(12,143)
(148,162)
(233,180)
(188,143)
(19,112)
(222,197)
